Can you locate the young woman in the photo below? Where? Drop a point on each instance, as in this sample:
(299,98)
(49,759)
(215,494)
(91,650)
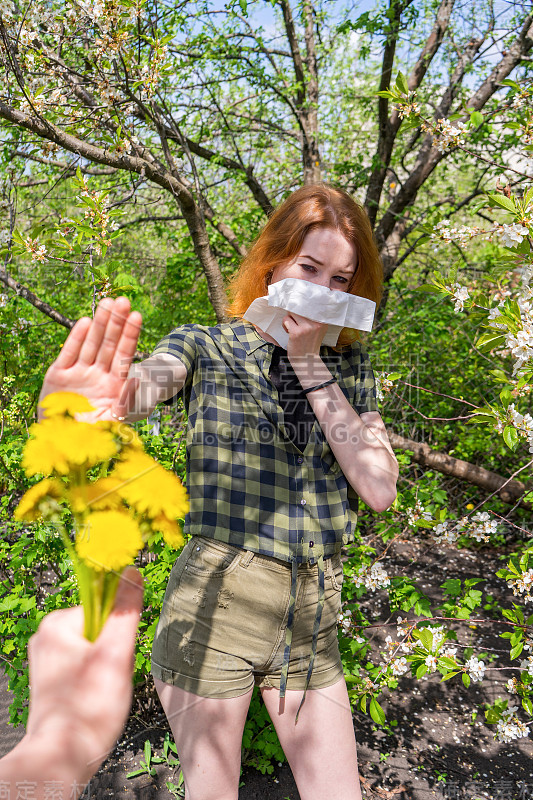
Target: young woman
(280,444)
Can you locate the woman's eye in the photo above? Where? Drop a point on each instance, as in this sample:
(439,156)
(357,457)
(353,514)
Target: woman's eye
(341,279)
(307,267)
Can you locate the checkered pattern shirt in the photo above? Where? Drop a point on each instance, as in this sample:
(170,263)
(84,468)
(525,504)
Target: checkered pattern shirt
(249,485)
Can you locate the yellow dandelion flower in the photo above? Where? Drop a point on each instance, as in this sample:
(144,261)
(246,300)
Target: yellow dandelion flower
(124,433)
(170,529)
(95,496)
(150,488)
(29,506)
(60,443)
(62,403)
(109,540)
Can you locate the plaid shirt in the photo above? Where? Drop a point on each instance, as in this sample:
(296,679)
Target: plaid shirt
(249,485)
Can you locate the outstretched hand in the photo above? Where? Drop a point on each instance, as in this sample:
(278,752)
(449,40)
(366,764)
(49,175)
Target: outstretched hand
(95,360)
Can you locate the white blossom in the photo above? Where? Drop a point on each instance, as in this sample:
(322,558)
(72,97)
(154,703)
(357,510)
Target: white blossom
(431,662)
(373,577)
(523,585)
(399,666)
(511,235)
(476,668)
(448,135)
(418,512)
(527,663)
(509,730)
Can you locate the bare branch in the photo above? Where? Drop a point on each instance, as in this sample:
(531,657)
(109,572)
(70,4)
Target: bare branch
(32,298)
(63,164)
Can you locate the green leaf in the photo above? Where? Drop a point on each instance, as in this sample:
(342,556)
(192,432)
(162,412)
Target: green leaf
(147,751)
(490,340)
(448,676)
(512,84)
(466,679)
(476,118)
(135,773)
(452,586)
(506,396)
(499,374)
(510,437)
(527,705)
(503,201)
(376,712)
(515,652)
(401,83)
(448,662)
(428,287)
(426,637)
(421,670)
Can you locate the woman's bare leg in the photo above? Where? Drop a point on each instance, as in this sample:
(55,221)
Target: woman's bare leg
(320,748)
(208,736)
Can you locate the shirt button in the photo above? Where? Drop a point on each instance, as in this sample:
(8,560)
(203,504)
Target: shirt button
(300,460)
(303,502)
(311,544)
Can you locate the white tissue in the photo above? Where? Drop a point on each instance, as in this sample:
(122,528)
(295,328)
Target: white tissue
(336,308)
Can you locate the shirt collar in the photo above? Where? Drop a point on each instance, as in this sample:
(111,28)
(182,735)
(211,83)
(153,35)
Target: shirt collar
(250,339)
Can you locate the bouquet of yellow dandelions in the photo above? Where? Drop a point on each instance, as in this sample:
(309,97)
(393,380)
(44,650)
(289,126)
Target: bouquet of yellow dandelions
(115,513)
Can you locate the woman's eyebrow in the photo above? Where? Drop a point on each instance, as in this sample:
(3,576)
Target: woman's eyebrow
(341,269)
(312,259)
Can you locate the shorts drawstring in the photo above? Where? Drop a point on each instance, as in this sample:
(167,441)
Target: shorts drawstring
(290,623)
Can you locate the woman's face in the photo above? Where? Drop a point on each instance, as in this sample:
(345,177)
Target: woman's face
(326,258)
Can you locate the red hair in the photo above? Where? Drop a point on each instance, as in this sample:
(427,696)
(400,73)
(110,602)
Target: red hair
(316,206)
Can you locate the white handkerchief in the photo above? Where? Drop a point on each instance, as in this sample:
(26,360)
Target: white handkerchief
(338,309)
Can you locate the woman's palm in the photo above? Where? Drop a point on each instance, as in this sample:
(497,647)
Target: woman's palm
(96,357)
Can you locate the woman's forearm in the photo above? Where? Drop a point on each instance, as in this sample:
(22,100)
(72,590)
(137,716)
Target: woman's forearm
(362,453)
(157,379)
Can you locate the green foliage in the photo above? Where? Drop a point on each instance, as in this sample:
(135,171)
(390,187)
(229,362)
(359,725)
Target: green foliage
(260,743)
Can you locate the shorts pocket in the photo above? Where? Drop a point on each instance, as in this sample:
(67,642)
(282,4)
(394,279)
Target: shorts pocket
(335,571)
(211,558)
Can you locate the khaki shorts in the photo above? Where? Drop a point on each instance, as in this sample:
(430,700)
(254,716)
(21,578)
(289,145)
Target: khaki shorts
(222,627)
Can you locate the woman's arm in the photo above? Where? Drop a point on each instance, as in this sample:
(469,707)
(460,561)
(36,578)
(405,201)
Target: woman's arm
(359,442)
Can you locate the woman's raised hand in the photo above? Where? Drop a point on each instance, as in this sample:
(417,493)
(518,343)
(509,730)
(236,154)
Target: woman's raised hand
(95,360)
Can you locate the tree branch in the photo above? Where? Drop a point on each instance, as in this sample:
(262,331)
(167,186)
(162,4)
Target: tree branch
(428,156)
(63,164)
(463,470)
(32,298)
(388,127)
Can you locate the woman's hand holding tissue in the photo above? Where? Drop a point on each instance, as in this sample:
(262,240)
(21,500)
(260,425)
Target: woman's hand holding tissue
(305,336)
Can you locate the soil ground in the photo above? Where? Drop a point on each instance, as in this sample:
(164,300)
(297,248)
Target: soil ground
(439,748)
